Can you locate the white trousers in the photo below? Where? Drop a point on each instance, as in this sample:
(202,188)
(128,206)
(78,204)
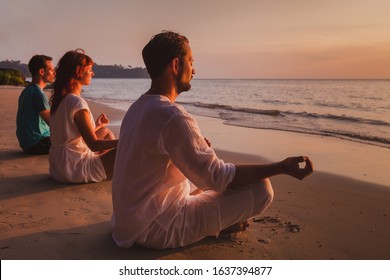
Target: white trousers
(209,212)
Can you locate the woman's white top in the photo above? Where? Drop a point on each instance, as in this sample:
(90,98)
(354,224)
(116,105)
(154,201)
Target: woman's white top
(70,159)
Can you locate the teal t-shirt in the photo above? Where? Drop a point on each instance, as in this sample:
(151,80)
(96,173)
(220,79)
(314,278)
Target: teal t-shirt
(30,127)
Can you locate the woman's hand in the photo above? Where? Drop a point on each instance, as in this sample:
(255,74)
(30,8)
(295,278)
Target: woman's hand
(102,121)
(83,122)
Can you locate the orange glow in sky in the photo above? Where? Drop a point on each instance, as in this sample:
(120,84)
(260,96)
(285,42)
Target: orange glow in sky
(230,39)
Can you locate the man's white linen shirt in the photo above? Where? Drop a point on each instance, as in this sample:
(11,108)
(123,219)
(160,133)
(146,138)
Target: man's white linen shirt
(160,151)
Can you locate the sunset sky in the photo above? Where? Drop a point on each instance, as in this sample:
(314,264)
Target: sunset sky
(230,39)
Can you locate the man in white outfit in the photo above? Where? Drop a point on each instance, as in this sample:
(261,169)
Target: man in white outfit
(169,188)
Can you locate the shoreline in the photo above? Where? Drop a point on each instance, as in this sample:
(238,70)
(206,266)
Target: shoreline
(338,217)
(332,155)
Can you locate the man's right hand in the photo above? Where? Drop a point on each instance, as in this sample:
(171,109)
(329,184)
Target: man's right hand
(292,168)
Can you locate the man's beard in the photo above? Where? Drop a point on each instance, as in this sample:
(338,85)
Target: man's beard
(181,86)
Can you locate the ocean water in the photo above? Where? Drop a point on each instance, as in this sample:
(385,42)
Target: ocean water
(355,110)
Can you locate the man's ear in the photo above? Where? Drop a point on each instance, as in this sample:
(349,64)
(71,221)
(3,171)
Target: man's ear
(175,65)
(41,72)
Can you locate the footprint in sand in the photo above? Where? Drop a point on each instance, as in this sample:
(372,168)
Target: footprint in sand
(5,227)
(265,220)
(70,212)
(81,210)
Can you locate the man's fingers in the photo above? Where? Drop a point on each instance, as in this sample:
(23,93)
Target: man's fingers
(302,158)
(309,165)
(299,167)
(308,168)
(301,161)
(305,170)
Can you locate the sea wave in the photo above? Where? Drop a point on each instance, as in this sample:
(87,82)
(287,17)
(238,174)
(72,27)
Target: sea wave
(344,118)
(274,113)
(278,113)
(345,135)
(300,122)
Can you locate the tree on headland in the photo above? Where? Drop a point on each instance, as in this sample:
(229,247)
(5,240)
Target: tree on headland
(11,77)
(16,65)
(119,71)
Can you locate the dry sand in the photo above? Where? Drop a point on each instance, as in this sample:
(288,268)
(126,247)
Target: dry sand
(326,216)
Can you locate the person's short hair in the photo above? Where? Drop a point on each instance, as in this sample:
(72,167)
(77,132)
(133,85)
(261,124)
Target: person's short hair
(161,50)
(37,62)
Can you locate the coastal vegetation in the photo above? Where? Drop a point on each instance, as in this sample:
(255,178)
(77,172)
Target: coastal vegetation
(11,77)
(101,71)
(119,71)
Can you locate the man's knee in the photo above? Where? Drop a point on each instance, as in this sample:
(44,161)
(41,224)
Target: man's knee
(264,196)
(268,190)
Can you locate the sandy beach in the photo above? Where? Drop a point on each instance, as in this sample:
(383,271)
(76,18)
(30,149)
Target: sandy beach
(340,212)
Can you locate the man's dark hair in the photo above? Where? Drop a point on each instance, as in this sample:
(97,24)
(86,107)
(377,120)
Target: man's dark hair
(37,62)
(160,51)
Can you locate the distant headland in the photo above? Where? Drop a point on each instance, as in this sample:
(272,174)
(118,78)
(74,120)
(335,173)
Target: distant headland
(101,71)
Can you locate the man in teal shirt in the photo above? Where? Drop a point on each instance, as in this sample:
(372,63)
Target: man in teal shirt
(32,121)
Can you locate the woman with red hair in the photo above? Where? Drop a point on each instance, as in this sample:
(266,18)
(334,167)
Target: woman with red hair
(82,150)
